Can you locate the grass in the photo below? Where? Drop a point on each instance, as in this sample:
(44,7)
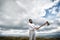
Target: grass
(26,38)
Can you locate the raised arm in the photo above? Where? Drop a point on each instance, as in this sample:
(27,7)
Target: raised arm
(43,25)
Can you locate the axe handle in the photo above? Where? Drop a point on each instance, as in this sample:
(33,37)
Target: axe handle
(44,24)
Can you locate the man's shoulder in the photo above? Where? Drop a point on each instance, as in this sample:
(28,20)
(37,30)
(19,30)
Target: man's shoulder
(30,24)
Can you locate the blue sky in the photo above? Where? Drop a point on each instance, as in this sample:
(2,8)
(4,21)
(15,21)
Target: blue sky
(14,15)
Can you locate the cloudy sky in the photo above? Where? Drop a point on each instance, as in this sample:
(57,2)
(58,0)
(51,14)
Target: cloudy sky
(14,15)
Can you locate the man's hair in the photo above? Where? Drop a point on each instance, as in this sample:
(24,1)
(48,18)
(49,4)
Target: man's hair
(30,20)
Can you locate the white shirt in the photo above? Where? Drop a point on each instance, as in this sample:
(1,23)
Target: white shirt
(32,26)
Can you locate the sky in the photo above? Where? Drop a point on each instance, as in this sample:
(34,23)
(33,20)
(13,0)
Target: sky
(14,16)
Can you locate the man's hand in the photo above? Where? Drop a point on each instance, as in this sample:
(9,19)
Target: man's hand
(47,23)
(36,28)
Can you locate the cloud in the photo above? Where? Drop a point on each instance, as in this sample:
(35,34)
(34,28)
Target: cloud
(51,31)
(14,15)
(53,11)
(12,32)
(15,11)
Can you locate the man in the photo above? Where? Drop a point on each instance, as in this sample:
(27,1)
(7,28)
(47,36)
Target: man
(33,28)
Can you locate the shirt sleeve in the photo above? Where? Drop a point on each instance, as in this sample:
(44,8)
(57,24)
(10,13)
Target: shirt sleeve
(32,25)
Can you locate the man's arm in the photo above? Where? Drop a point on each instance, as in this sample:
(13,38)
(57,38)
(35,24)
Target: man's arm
(43,25)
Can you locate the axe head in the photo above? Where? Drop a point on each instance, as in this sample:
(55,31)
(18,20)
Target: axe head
(47,23)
